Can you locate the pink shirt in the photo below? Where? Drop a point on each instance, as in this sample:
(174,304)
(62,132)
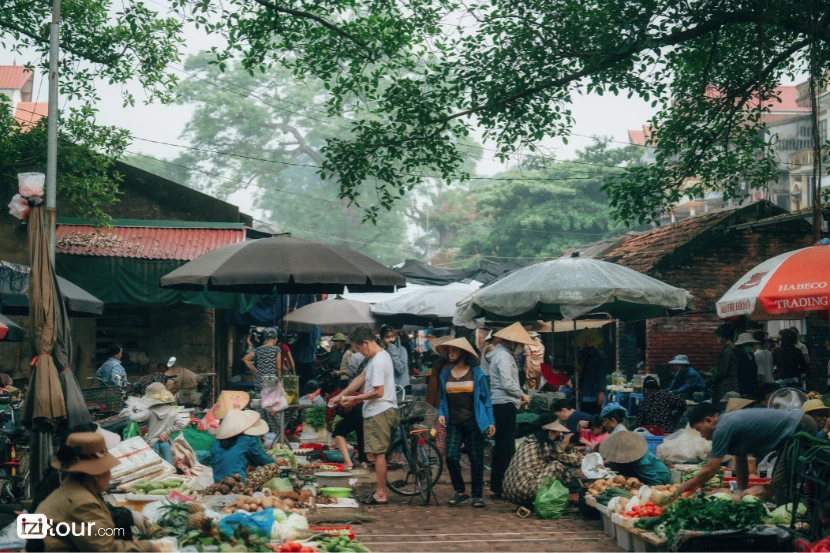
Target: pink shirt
(594,440)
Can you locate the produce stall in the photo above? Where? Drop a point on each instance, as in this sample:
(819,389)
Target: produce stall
(651,518)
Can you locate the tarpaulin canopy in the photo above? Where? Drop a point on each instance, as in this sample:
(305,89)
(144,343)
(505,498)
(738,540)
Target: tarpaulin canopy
(14,298)
(9,331)
(793,283)
(569,288)
(421,273)
(132,281)
(426,305)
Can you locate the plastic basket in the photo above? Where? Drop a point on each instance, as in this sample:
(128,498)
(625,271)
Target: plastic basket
(425,410)
(736,542)
(624,539)
(653,442)
(107,398)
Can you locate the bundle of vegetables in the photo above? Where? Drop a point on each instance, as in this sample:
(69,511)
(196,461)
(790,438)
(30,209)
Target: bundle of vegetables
(211,539)
(230,485)
(659,495)
(709,514)
(715,482)
(647,523)
(162,487)
(609,493)
(176,519)
(343,544)
(646,510)
(784,513)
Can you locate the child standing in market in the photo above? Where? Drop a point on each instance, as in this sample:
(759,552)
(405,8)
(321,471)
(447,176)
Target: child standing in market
(467,412)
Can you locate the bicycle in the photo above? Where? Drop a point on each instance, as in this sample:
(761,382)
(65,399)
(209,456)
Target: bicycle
(15,477)
(414,462)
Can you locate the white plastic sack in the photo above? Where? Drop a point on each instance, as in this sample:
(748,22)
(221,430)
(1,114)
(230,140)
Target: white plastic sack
(273,399)
(19,207)
(684,445)
(593,466)
(30,185)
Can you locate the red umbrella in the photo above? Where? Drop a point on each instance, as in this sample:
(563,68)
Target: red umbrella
(793,283)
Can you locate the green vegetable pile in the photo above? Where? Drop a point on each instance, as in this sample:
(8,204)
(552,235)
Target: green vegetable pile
(610,493)
(715,482)
(342,543)
(708,514)
(164,487)
(315,417)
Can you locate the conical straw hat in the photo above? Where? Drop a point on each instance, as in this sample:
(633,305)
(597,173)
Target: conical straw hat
(737,403)
(588,338)
(460,343)
(230,399)
(623,447)
(514,333)
(236,422)
(435,342)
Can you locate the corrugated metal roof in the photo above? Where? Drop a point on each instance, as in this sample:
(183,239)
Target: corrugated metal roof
(14,76)
(143,243)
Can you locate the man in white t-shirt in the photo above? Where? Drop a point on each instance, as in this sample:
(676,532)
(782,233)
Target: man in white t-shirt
(763,358)
(380,405)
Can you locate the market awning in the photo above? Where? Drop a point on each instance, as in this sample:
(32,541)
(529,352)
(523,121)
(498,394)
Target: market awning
(124,263)
(14,296)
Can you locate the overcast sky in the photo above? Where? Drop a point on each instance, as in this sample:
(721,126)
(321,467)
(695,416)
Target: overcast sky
(595,115)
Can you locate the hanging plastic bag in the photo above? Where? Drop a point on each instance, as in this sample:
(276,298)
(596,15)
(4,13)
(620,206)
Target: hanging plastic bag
(551,499)
(273,399)
(132,430)
(684,445)
(260,522)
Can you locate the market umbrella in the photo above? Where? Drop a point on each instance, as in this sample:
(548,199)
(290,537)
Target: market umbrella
(283,265)
(795,282)
(9,331)
(569,288)
(424,306)
(338,315)
(14,283)
(44,407)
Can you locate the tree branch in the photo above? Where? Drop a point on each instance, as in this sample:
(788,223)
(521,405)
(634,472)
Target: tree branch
(45,40)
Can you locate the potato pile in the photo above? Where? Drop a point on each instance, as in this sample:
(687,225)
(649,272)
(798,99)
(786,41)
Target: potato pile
(630,485)
(230,485)
(285,501)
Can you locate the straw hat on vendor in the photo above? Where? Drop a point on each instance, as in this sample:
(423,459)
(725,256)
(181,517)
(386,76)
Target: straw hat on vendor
(84,452)
(238,422)
(818,411)
(433,385)
(738,403)
(157,394)
(462,344)
(628,452)
(514,333)
(230,399)
(588,338)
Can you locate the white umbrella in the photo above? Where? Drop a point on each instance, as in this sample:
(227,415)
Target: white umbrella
(339,315)
(569,288)
(434,303)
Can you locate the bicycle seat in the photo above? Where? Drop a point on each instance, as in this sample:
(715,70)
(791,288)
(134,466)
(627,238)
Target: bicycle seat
(12,432)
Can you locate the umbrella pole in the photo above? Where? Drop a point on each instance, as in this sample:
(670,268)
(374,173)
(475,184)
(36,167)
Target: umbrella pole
(576,371)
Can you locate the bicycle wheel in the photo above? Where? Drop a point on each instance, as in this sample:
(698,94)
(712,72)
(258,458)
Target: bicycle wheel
(400,475)
(423,474)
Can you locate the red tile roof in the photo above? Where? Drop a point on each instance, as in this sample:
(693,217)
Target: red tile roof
(29,113)
(182,244)
(637,137)
(643,252)
(14,76)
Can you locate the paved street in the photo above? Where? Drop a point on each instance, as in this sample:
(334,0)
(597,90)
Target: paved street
(400,527)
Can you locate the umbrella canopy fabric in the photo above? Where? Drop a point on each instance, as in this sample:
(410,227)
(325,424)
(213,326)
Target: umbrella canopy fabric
(571,287)
(337,315)
(378,297)
(14,283)
(433,304)
(284,265)
(10,332)
(44,407)
(794,283)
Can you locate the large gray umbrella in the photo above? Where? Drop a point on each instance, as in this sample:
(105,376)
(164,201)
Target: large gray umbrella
(286,265)
(14,298)
(572,287)
(330,316)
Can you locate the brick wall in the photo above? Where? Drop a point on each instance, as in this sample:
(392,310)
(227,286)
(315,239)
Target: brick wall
(707,268)
(818,331)
(626,347)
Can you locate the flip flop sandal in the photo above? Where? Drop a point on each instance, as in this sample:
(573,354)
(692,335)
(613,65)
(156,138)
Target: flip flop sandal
(478,503)
(458,498)
(371,500)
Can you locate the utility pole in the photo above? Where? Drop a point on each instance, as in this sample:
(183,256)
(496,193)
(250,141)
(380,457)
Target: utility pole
(52,129)
(41,442)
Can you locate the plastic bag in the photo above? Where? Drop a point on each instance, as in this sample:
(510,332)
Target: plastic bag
(280,485)
(132,430)
(19,207)
(684,445)
(273,399)
(551,499)
(260,522)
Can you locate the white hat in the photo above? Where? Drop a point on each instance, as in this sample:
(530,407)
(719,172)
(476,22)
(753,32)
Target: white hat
(157,394)
(745,338)
(680,360)
(238,422)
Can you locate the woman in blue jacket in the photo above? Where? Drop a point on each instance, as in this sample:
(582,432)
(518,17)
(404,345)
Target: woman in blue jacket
(467,413)
(238,444)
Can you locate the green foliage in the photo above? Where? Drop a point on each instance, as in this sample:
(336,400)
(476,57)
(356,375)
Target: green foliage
(550,207)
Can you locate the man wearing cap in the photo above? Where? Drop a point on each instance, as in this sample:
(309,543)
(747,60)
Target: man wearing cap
(507,398)
(748,432)
(613,418)
(686,380)
(818,411)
